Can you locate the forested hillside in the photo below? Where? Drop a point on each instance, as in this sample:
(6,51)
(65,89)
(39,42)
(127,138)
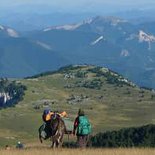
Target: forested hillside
(128,137)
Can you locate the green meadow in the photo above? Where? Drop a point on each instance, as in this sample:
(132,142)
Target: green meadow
(109,102)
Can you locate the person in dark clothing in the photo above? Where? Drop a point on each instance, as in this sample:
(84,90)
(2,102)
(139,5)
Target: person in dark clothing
(47,116)
(19,145)
(83,128)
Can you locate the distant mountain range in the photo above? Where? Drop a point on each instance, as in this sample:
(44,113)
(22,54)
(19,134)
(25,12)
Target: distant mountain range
(104,41)
(21,56)
(21,17)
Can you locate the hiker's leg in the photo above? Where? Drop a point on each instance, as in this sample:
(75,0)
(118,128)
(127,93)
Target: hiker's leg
(79,141)
(85,140)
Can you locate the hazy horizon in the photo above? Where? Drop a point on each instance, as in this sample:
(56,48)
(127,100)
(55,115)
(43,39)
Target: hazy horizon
(76,6)
(19,14)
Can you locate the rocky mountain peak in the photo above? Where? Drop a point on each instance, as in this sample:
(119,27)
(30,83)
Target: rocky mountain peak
(9,31)
(109,19)
(4,98)
(145,37)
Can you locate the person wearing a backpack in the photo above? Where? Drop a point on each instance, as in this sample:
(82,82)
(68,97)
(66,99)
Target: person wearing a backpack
(45,129)
(82,127)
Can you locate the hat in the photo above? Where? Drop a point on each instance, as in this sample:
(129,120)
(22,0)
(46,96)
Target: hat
(46,111)
(81,112)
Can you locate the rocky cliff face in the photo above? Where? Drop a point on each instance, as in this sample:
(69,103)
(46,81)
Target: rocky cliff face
(4,98)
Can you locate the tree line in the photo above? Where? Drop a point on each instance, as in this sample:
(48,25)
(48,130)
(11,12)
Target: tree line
(128,137)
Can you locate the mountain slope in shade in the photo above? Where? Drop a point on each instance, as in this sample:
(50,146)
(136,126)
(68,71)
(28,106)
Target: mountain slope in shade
(22,57)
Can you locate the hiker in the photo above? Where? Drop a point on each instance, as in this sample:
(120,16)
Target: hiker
(47,114)
(83,127)
(45,129)
(7,147)
(53,128)
(19,145)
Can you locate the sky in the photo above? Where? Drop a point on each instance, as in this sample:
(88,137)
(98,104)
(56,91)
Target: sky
(81,4)
(72,2)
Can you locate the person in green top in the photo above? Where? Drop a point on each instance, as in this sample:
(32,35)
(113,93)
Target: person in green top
(82,127)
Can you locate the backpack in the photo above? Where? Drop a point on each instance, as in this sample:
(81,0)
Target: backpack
(84,126)
(44,131)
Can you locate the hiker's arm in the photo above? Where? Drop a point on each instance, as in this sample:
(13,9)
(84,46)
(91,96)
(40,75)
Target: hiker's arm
(75,125)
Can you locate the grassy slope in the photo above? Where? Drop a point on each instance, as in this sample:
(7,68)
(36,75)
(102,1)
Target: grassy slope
(118,108)
(79,152)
